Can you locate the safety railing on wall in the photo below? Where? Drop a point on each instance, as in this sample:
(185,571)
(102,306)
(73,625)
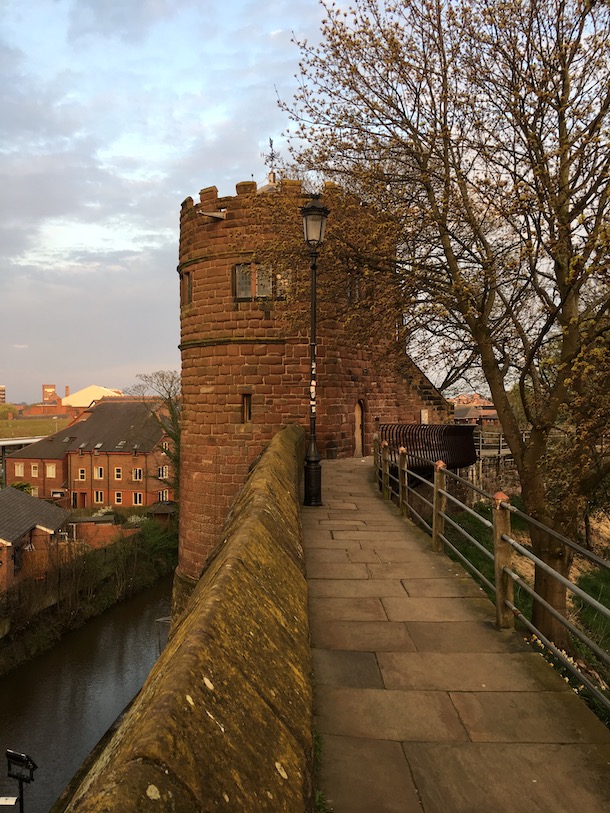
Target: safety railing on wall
(483,541)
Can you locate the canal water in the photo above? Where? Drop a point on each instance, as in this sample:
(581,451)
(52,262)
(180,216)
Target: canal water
(56,707)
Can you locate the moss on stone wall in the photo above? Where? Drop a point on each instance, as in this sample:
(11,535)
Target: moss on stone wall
(224,721)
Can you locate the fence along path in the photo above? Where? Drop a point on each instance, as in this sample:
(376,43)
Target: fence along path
(421,702)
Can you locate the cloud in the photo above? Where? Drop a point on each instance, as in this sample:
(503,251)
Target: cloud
(113,113)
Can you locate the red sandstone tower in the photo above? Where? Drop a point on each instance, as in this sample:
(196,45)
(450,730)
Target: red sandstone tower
(245,365)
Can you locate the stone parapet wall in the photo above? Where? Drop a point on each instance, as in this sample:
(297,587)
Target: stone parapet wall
(224,721)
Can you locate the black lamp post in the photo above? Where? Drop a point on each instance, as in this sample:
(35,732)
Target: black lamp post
(20,767)
(314,225)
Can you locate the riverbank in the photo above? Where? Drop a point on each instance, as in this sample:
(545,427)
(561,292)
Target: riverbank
(57,706)
(92,583)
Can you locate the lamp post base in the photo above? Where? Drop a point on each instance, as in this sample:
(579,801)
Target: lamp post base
(312,483)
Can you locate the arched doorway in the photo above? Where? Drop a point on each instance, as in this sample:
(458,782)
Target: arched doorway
(359,429)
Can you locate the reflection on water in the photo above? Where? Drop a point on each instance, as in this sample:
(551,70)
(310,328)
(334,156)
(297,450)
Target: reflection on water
(56,707)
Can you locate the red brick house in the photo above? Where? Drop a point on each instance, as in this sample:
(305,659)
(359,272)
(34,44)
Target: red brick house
(114,455)
(27,526)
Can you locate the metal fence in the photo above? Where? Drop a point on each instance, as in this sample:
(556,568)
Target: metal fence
(427,500)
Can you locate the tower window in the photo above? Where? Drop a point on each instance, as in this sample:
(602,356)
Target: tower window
(251,281)
(186,287)
(246,407)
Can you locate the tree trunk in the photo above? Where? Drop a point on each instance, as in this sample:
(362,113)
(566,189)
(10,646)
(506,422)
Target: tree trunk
(559,557)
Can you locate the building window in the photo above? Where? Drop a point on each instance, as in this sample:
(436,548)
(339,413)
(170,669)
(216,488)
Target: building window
(19,469)
(163,496)
(165,446)
(82,474)
(51,470)
(252,281)
(118,473)
(163,472)
(34,469)
(246,407)
(137,474)
(186,288)
(98,472)
(137,498)
(98,497)
(34,491)
(118,497)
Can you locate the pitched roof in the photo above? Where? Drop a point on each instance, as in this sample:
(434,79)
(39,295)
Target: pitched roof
(112,425)
(84,397)
(20,513)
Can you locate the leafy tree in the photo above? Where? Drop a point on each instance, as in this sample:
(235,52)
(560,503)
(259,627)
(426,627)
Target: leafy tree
(481,130)
(162,390)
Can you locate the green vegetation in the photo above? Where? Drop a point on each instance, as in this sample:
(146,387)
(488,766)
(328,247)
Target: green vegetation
(321,803)
(88,584)
(32,427)
(483,535)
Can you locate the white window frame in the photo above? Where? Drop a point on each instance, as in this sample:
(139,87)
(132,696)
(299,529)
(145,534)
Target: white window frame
(98,472)
(163,496)
(137,474)
(163,472)
(98,497)
(19,469)
(138,498)
(34,470)
(82,474)
(118,497)
(118,473)
(51,470)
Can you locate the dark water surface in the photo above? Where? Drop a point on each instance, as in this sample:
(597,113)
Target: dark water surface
(56,707)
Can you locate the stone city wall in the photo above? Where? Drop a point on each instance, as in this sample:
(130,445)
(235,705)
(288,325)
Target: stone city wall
(224,721)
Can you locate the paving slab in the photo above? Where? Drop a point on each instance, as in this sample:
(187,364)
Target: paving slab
(385,714)
(355,588)
(367,776)
(361,636)
(356,670)
(407,608)
(509,778)
(460,672)
(421,703)
(451,587)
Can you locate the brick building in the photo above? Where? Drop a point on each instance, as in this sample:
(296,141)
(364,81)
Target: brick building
(114,455)
(245,360)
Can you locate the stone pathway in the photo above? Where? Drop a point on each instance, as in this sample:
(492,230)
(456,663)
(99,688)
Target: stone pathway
(421,703)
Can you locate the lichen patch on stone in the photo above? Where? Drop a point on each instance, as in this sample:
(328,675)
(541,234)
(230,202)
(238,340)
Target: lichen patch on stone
(220,725)
(280,769)
(152,791)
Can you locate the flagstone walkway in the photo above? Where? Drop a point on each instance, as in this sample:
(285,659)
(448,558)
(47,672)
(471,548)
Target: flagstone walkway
(421,703)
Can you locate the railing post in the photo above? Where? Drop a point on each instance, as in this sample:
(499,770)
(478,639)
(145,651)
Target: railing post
(403,491)
(439,506)
(385,470)
(502,558)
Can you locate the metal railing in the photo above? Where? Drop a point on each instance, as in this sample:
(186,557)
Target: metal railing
(430,510)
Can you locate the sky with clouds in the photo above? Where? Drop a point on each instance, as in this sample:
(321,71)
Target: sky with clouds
(113,112)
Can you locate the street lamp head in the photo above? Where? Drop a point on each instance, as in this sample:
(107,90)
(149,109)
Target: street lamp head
(20,766)
(314,222)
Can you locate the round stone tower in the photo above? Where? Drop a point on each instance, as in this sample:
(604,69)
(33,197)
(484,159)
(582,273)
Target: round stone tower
(245,366)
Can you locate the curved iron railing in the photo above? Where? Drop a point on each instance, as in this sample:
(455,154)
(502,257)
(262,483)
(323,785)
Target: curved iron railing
(427,443)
